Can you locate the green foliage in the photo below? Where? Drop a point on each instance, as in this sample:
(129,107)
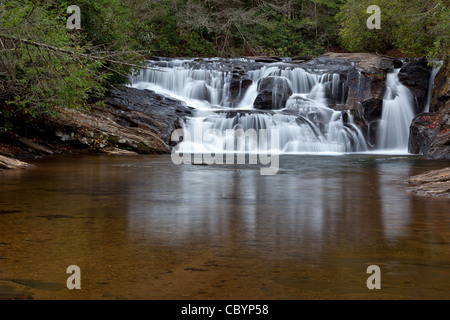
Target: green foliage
(355,35)
(239,27)
(61,68)
(36,80)
(45,66)
(417,28)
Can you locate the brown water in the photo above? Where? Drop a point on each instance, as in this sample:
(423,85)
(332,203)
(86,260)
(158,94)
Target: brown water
(144,228)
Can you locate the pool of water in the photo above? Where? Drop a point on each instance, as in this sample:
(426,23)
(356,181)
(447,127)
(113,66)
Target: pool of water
(141,227)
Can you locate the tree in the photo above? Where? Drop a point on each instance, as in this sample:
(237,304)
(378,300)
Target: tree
(45,66)
(417,28)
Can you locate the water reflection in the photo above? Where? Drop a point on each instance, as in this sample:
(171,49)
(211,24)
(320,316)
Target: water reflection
(395,206)
(311,200)
(138,226)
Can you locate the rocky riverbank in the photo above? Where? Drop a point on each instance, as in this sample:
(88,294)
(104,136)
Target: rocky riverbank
(10,163)
(430,132)
(433,183)
(130,122)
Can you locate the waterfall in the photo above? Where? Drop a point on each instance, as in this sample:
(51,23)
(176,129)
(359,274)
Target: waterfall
(397,115)
(202,88)
(434,72)
(304,122)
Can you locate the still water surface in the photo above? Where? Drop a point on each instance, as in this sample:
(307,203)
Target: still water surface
(143,228)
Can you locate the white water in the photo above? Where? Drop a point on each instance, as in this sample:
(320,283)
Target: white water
(305,125)
(398,113)
(434,72)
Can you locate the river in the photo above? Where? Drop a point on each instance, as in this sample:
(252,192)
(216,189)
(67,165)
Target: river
(141,227)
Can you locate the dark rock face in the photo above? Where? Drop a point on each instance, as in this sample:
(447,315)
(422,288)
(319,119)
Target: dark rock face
(146,108)
(415,75)
(432,183)
(364,75)
(238,85)
(366,93)
(365,100)
(440,95)
(132,119)
(424,128)
(440,147)
(273,93)
(430,132)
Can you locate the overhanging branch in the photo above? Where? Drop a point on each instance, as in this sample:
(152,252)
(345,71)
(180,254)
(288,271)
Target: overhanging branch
(87,56)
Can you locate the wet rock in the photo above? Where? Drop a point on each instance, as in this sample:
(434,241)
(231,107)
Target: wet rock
(440,147)
(366,62)
(440,96)
(134,120)
(430,133)
(238,86)
(265,59)
(118,152)
(10,163)
(365,101)
(424,128)
(31,144)
(233,113)
(398,64)
(364,75)
(273,93)
(433,183)
(300,59)
(415,75)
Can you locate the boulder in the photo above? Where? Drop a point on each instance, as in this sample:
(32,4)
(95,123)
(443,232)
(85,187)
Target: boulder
(440,147)
(364,75)
(273,93)
(430,133)
(424,128)
(415,75)
(440,95)
(134,120)
(10,163)
(238,87)
(367,62)
(432,183)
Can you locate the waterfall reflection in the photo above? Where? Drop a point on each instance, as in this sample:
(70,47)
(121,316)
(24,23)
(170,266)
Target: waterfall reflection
(311,200)
(395,205)
(143,227)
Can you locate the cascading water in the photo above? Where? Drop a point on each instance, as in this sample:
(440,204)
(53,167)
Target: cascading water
(304,121)
(199,88)
(398,113)
(434,72)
